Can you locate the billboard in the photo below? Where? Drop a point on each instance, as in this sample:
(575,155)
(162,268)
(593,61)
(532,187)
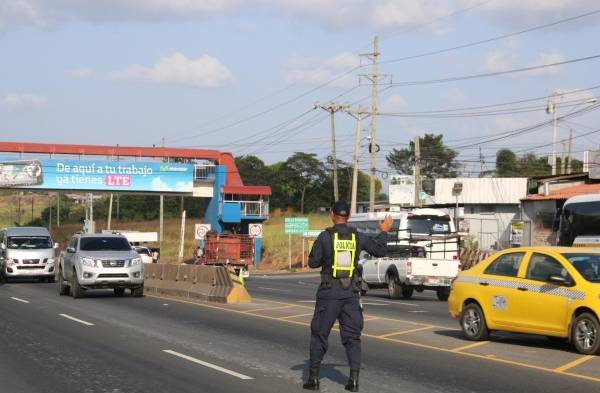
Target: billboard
(125,176)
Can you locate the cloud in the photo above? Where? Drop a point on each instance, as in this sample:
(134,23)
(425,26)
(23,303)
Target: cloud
(393,104)
(503,60)
(313,71)
(176,69)
(81,73)
(13,102)
(159,185)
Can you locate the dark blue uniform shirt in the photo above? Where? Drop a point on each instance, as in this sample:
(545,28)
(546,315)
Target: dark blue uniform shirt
(321,255)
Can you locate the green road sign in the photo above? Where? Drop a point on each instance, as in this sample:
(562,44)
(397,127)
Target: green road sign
(296,225)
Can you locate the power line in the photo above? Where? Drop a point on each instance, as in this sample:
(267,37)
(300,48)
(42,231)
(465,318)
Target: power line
(492,39)
(496,73)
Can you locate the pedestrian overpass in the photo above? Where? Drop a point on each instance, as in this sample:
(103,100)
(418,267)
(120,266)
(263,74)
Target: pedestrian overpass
(212,174)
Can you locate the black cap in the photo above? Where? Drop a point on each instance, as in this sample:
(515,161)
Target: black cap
(341,208)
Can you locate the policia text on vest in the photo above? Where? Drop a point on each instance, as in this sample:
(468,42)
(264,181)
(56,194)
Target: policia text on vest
(336,252)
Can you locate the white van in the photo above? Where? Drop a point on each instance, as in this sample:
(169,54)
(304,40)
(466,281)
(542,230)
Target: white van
(27,252)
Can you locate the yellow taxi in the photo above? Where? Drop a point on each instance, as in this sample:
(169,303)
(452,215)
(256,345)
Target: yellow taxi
(551,291)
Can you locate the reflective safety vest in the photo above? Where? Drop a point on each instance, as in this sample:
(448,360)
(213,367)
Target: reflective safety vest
(343,256)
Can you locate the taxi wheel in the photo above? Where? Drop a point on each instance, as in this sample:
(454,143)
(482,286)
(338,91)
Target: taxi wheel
(443,293)
(472,322)
(585,334)
(407,292)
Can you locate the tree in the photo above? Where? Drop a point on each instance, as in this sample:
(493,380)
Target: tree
(253,170)
(437,160)
(301,172)
(506,163)
(531,165)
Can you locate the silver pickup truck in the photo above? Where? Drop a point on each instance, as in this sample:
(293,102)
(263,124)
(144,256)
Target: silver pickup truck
(94,261)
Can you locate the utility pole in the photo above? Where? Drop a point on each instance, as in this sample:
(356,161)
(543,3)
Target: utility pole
(570,145)
(563,155)
(551,109)
(481,162)
(332,108)
(417,171)
(374,77)
(359,115)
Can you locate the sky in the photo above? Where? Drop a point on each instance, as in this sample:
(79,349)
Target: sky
(244,75)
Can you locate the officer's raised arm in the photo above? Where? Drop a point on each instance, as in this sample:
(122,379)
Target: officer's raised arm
(378,246)
(315,258)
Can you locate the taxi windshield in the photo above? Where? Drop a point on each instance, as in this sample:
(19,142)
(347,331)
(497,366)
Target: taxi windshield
(587,264)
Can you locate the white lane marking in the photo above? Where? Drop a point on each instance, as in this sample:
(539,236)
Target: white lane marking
(409,304)
(375,304)
(76,320)
(20,300)
(165,304)
(390,302)
(206,364)
(273,289)
(417,311)
(306,301)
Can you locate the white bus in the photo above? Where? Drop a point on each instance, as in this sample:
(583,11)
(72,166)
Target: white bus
(579,221)
(416,231)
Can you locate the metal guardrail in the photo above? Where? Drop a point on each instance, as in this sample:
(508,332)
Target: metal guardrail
(204,172)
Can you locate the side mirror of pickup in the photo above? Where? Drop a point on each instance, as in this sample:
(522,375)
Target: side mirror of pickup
(71,250)
(56,245)
(2,246)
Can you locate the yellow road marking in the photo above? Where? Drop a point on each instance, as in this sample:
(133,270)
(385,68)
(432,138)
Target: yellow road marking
(574,363)
(390,339)
(474,345)
(267,309)
(297,315)
(370,318)
(406,331)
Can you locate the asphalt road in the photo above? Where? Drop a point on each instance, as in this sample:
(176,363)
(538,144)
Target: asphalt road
(105,344)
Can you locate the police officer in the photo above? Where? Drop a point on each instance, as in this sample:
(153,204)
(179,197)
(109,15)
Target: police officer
(336,251)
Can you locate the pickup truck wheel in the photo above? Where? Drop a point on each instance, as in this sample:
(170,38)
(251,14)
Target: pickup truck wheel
(76,290)
(585,334)
(472,322)
(393,287)
(138,292)
(364,287)
(119,292)
(443,293)
(63,288)
(407,292)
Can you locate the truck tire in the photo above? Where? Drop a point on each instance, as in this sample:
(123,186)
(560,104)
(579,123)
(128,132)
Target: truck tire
(407,292)
(63,288)
(138,292)
(119,292)
(443,293)
(393,286)
(77,290)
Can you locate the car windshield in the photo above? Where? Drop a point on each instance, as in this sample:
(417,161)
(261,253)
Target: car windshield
(104,244)
(29,242)
(587,264)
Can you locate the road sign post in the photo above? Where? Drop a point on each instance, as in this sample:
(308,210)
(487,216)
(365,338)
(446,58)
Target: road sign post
(294,225)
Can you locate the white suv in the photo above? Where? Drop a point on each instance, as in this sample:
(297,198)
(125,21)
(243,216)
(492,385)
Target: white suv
(100,261)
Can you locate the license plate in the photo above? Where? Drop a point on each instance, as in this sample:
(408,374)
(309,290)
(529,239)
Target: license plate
(434,281)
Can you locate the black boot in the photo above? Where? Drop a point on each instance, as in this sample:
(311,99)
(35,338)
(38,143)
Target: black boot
(313,380)
(352,384)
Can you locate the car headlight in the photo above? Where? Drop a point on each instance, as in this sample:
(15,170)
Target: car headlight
(89,262)
(11,262)
(50,261)
(136,261)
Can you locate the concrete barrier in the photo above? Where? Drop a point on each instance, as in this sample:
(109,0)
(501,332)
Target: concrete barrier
(213,283)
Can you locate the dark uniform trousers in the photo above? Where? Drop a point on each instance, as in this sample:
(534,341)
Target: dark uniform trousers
(349,314)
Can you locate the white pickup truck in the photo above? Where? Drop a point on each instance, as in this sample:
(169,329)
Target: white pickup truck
(405,270)
(422,252)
